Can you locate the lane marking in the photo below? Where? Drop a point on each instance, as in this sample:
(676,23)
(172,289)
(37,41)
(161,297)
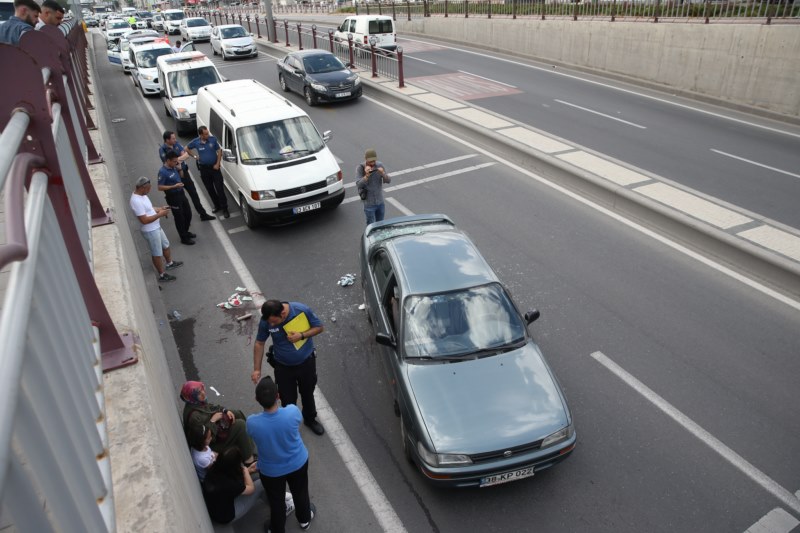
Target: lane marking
(739,462)
(238,229)
(367,484)
(418,59)
(488,79)
(775,521)
(619,89)
(423,167)
(601,114)
(403,209)
(756,163)
(767,291)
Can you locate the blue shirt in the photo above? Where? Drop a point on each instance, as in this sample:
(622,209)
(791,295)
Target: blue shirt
(206,151)
(12,30)
(168,176)
(285,352)
(177,148)
(277,436)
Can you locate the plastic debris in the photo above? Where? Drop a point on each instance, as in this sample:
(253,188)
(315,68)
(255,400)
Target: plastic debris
(246,298)
(240,289)
(176,314)
(226,271)
(215,391)
(235,300)
(347,280)
(333,319)
(362,306)
(248,316)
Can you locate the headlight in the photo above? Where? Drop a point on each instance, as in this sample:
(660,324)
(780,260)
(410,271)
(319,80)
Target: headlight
(355,80)
(148,78)
(333,178)
(319,87)
(442,459)
(262,195)
(183,113)
(559,436)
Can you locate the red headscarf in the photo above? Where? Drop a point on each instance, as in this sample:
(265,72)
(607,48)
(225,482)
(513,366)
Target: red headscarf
(190,392)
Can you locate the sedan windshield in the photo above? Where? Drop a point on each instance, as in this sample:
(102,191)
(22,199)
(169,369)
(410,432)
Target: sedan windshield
(233,33)
(117,24)
(173,16)
(278,141)
(147,59)
(460,323)
(188,82)
(196,23)
(322,63)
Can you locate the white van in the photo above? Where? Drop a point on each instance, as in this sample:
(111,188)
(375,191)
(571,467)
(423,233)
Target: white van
(364,26)
(275,163)
(143,55)
(172,20)
(181,75)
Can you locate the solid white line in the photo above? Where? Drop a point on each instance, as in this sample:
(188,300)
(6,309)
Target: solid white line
(418,59)
(619,89)
(403,209)
(237,229)
(370,490)
(775,521)
(762,165)
(601,114)
(707,438)
(422,167)
(487,79)
(794,304)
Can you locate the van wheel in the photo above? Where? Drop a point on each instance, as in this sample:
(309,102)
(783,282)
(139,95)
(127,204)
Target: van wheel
(282,81)
(311,98)
(248,214)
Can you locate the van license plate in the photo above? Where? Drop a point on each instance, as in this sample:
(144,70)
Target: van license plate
(304,208)
(343,95)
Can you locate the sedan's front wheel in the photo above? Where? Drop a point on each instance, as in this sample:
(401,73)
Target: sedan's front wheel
(406,447)
(311,98)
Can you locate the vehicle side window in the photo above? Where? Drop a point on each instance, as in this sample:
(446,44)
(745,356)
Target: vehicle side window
(345,25)
(353,26)
(296,64)
(383,271)
(228,141)
(214,123)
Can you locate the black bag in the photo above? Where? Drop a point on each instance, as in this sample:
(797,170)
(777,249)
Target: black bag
(271,356)
(363,193)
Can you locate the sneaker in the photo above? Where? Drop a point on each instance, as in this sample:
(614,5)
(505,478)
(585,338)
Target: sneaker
(205,217)
(306,525)
(166,277)
(174,264)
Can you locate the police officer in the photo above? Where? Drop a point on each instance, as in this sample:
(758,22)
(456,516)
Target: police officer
(171,143)
(169,181)
(208,153)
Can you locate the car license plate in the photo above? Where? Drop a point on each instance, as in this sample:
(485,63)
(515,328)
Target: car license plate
(304,208)
(506,477)
(342,95)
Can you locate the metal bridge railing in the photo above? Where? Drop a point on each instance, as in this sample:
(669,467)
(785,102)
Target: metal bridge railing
(56,336)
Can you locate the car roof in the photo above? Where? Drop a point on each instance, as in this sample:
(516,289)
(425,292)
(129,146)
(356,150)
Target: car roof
(307,53)
(438,261)
(221,26)
(187,19)
(370,17)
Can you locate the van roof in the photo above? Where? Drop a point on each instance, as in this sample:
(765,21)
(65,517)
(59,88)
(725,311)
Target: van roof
(253,102)
(370,17)
(184,61)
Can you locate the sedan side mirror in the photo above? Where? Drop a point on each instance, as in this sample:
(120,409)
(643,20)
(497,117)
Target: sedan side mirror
(326,135)
(532,315)
(228,156)
(385,339)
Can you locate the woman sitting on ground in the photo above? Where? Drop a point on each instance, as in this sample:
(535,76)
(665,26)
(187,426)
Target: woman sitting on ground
(227,427)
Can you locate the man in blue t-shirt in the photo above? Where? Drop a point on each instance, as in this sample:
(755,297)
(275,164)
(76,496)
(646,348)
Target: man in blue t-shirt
(282,456)
(25,17)
(208,153)
(171,143)
(295,368)
(169,181)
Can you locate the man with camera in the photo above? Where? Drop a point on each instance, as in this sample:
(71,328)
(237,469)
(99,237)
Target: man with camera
(370,177)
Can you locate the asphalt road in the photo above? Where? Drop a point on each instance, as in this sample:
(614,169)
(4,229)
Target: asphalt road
(717,350)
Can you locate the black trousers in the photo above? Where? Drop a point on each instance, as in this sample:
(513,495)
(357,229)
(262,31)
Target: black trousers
(181,212)
(275,487)
(191,190)
(302,377)
(212,179)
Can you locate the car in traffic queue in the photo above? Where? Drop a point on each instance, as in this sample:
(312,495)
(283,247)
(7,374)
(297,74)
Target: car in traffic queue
(319,76)
(181,76)
(195,29)
(123,45)
(137,23)
(116,28)
(232,40)
(158,22)
(91,21)
(143,56)
(478,403)
(172,20)
(146,16)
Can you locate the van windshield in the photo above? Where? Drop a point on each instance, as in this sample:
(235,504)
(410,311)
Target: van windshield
(380,26)
(188,82)
(173,16)
(282,140)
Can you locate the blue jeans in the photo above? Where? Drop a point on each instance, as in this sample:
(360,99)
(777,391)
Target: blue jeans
(374,212)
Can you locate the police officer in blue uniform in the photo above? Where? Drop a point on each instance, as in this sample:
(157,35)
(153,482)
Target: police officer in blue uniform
(171,143)
(208,154)
(169,181)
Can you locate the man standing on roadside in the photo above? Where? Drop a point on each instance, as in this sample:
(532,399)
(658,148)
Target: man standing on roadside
(291,326)
(26,14)
(151,229)
(52,14)
(282,457)
(171,143)
(169,181)
(370,177)
(208,154)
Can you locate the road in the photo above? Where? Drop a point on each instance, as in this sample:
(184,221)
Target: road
(712,349)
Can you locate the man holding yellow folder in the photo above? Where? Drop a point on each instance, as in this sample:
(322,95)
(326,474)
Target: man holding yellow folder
(291,326)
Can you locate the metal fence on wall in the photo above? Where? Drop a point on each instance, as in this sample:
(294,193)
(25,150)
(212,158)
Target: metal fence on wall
(56,336)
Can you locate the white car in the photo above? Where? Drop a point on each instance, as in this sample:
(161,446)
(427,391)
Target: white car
(144,56)
(116,28)
(172,21)
(158,22)
(125,43)
(232,40)
(195,29)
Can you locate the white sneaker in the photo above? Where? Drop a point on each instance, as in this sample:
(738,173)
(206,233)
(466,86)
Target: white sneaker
(289,503)
(306,525)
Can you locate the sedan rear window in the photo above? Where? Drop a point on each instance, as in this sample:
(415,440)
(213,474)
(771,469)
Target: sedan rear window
(196,23)
(460,323)
(188,82)
(232,33)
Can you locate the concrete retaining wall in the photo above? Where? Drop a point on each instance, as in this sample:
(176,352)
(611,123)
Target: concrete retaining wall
(743,64)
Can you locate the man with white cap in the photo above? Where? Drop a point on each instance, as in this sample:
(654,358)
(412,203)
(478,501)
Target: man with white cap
(151,229)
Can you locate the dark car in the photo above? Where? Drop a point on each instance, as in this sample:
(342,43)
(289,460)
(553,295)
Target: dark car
(319,76)
(477,402)
(91,21)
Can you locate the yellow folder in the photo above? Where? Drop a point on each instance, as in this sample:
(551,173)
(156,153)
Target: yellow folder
(298,324)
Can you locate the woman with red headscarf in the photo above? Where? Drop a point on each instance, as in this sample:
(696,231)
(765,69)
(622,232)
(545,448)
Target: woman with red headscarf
(227,427)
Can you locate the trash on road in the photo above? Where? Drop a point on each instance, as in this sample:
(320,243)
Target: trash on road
(176,314)
(362,306)
(240,289)
(215,391)
(248,316)
(347,280)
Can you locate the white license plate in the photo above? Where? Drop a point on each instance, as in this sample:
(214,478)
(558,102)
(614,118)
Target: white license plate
(304,208)
(506,477)
(343,95)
